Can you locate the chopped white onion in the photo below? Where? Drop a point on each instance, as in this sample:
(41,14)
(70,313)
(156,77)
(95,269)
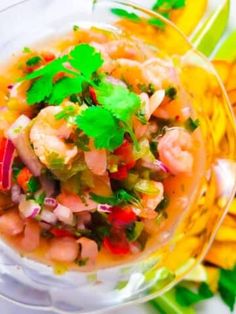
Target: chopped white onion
(50,202)
(64,214)
(28,208)
(15,193)
(48,217)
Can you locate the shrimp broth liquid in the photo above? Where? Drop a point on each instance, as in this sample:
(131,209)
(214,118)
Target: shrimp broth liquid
(101,151)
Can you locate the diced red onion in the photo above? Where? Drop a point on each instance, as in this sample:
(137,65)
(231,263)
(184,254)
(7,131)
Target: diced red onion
(156,165)
(29,208)
(16,133)
(10,86)
(48,217)
(104,208)
(50,202)
(48,185)
(64,214)
(15,193)
(6,165)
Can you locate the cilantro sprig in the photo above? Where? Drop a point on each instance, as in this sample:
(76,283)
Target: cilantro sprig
(79,64)
(119,197)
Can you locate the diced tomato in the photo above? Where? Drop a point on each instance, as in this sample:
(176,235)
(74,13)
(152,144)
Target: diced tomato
(121,174)
(23,178)
(125,152)
(120,216)
(93,95)
(117,246)
(48,56)
(59,233)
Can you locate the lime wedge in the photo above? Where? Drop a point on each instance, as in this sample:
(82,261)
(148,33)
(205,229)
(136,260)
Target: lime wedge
(227,50)
(207,37)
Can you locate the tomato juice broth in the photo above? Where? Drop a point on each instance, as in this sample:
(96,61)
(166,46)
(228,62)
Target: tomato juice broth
(181,189)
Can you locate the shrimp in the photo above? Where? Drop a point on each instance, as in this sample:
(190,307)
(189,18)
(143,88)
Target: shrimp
(63,250)
(48,137)
(96,160)
(175,151)
(151,104)
(31,237)
(89,250)
(11,223)
(75,203)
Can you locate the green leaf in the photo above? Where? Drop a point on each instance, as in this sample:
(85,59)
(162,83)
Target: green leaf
(120,197)
(64,88)
(207,37)
(33,61)
(39,90)
(100,124)
(191,125)
(33,185)
(227,287)
(186,297)
(158,22)
(134,231)
(171,92)
(168,4)
(86,59)
(125,14)
(122,103)
(167,304)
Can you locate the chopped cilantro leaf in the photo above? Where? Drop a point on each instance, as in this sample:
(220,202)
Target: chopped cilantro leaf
(65,113)
(82,262)
(125,14)
(134,231)
(75,28)
(100,124)
(158,22)
(163,204)
(33,185)
(64,88)
(171,92)
(168,4)
(149,89)
(86,59)
(141,117)
(82,142)
(40,198)
(26,50)
(33,61)
(187,297)
(39,90)
(119,100)
(226,287)
(119,197)
(191,125)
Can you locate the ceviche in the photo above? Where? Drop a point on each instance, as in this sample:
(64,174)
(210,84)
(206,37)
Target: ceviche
(100,148)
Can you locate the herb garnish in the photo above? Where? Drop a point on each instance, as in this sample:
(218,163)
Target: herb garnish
(134,231)
(33,61)
(226,287)
(119,197)
(191,125)
(125,14)
(84,60)
(171,92)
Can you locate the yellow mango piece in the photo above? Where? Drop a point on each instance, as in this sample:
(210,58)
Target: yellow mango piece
(222,254)
(212,277)
(232,97)
(190,16)
(231,84)
(232,209)
(223,69)
(226,233)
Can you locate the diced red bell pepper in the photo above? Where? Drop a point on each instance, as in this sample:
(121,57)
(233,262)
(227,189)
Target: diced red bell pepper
(121,216)
(125,152)
(93,95)
(48,56)
(23,178)
(60,233)
(121,174)
(119,246)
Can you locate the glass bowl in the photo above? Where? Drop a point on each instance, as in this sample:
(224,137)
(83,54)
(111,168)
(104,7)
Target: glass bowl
(175,254)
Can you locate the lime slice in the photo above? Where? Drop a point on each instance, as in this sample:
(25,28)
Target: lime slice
(227,50)
(198,274)
(207,37)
